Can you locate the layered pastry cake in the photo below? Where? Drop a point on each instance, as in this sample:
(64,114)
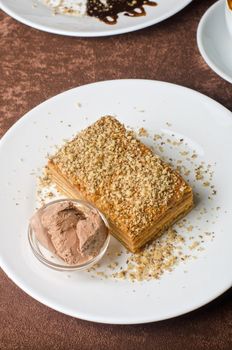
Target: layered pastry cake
(139,193)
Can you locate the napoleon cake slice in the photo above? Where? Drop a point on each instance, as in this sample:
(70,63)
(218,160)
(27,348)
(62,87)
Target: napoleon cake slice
(140,194)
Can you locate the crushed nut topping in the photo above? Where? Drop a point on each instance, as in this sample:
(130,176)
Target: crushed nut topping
(129,183)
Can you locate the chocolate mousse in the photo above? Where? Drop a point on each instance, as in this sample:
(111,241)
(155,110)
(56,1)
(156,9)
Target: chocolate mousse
(73,235)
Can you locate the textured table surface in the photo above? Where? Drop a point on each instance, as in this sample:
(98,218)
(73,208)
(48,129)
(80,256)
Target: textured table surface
(35,66)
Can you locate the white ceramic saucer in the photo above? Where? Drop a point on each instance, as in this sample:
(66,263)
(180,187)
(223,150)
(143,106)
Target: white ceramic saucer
(215,42)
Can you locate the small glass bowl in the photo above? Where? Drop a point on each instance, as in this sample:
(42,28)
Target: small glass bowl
(51,260)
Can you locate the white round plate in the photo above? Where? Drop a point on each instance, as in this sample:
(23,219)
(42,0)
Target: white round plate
(178,112)
(215,42)
(41,17)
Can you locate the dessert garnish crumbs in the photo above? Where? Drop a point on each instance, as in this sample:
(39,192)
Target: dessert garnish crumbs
(153,260)
(143,132)
(45,179)
(194,245)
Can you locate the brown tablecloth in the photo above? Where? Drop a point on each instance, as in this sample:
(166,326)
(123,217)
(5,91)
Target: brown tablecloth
(35,66)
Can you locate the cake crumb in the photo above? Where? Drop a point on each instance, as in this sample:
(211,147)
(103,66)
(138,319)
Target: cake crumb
(143,132)
(194,245)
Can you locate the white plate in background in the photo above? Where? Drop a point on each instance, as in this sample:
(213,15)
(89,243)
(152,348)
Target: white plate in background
(215,42)
(206,127)
(41,17)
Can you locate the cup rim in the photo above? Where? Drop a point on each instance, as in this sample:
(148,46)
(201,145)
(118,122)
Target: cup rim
(34,244)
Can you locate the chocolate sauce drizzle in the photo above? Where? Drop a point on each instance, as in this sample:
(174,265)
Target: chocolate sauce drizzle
(108,10)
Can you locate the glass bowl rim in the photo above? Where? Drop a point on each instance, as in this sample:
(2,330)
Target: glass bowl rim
(33,242)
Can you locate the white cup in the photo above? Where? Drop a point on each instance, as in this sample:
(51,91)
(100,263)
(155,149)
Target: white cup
(228,7)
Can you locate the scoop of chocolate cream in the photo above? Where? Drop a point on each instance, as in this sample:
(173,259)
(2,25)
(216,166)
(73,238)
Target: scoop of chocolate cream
(71,234)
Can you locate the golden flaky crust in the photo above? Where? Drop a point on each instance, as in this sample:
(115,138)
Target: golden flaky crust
(136,190)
